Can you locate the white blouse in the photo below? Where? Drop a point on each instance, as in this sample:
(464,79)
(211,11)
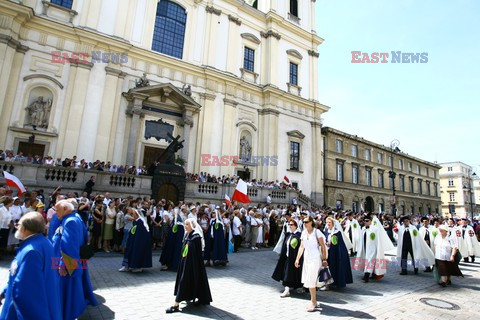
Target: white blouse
(444,246)
(311,245)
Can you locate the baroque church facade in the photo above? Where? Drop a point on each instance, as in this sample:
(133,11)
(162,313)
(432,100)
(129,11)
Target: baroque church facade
(115,80)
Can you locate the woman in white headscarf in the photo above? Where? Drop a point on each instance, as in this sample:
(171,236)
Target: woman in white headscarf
(138,253)
(192,282)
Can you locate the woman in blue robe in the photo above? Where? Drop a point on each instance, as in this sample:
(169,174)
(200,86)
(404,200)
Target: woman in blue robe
(138,253)
(216,250)
(75,286)
(172,250)
(192,282)
(338,259)
(285,271)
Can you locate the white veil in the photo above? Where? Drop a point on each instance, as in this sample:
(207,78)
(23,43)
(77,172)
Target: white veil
(144,220)
(196,230)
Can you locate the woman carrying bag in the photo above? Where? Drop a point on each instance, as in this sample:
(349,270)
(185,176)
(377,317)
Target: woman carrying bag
(313,245)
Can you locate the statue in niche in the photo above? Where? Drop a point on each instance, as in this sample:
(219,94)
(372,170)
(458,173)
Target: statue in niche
(245,149)
(142,82)
(39,112)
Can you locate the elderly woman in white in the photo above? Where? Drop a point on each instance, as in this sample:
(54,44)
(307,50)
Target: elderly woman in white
(445,247)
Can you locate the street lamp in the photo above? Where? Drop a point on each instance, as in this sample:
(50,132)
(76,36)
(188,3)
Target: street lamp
(391,174)
(471,176)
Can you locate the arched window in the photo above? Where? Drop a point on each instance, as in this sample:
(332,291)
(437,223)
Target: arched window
(169,32)
(63,3)
(294,7)
(255,4)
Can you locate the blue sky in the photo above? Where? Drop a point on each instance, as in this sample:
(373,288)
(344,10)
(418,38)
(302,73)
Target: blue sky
(432,108)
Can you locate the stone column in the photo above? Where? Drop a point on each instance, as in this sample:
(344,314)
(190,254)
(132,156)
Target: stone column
(135,110)
(75,113)
(228,134)
(187,124)
(207,130)
(317,158)
(211,34)
(268,142)
(6,105)
(116,116)
(105,125)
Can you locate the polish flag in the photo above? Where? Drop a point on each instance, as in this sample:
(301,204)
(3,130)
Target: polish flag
(13,181)
(227,201)
(240,193)
(286,180)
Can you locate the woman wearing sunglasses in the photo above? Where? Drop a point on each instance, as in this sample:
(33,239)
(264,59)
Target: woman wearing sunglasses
(313,245)
(285,271)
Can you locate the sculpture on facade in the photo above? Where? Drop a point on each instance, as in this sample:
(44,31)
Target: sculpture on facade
(245,149)
(187,89)
(39,112)
(142,82)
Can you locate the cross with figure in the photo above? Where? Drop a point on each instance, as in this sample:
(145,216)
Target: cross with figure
(172,148)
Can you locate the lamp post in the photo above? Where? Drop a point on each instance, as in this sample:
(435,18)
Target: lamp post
(471,176)
(391,174)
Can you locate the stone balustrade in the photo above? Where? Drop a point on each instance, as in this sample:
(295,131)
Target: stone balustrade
(48,178)
(215,193)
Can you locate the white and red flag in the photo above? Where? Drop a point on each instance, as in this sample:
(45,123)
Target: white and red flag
(227,201)
(13,181)
(286,179)
(240,193)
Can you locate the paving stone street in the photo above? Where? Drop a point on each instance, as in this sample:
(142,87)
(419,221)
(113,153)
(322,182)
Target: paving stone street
(244,290)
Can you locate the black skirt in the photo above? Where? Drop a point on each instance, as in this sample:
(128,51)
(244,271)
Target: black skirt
(447,268)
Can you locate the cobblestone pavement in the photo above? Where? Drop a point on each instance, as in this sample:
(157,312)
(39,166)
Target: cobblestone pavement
(244,290)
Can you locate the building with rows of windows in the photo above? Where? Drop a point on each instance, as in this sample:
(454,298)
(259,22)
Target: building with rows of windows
(358,177)
(459,186)
(108,79)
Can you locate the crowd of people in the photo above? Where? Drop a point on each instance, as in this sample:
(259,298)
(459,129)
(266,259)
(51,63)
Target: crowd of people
(233,179)
(97,165)
(317,247)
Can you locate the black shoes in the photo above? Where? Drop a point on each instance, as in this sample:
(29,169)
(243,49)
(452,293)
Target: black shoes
(172,309)
(366,277)
(416,270)
(404,272)
(428,269)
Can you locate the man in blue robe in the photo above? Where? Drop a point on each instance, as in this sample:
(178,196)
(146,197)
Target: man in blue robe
(33,286)
(75,287)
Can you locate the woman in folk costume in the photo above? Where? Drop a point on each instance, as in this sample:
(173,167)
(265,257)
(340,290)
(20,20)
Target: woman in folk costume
(468,242)
(371,251)
(445,248)
(285,271)
(285,229)
(138,253)
(338,260)
(410,243)
(192,281)
(353,231)
(216,249)
(171,252)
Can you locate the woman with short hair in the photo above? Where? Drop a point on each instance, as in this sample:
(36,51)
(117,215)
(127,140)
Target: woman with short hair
(314,252)
(445,247)
(285,271)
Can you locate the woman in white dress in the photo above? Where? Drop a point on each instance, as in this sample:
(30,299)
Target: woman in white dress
(313,245)
(260,229)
